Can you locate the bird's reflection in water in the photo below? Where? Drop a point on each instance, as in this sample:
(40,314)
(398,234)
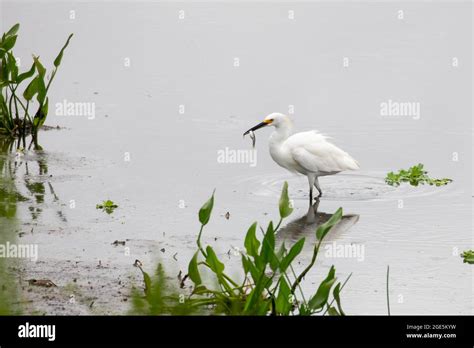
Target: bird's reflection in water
(307,224)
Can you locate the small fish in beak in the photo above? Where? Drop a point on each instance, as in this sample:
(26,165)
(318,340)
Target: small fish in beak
(253,137)
(251,131)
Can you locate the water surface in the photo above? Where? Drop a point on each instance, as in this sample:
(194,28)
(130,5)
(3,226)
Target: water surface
(160,164)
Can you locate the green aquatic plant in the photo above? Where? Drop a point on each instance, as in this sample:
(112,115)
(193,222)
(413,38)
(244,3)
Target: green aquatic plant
(16,118)
(108,206)
(161,296)
(468,256)
(9,226)
(270,284)
(415,176)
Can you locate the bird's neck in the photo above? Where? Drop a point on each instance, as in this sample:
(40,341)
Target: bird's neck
(280,134)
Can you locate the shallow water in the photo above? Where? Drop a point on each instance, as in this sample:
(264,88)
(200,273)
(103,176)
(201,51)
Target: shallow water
(173,166)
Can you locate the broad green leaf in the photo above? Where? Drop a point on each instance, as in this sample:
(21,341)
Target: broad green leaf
(39,67)
(324,228)
(3,104)
(245,264)
(205,211)
(41,91)
(276,260)
(268,245)
(283,301)
(8,43)
(37,119)
(249,267)
(32,89)
(284,204)
(193,270)
(320,298)
(13,30)
(252,244)
(282,251)
(335,293)
(26,75)
(294,251)
(4,71)
(263,307)
(256,296)
(213,262)
(44,111)
(40,117)
(12,67)
(58,59)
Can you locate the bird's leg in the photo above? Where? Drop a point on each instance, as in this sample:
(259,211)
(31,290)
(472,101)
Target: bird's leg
(311,178)
(316,184)
(316,204)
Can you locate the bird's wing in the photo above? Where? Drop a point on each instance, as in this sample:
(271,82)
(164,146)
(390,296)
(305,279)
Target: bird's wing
(315,153)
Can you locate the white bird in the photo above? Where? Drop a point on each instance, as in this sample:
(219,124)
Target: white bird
(308,153)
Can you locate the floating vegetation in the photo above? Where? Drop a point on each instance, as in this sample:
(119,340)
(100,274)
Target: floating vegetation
(415,176)
(16,118)
(270,284)
(468,256)
(108,206)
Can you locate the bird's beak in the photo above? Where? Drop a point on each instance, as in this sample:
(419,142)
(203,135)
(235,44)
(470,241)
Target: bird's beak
(258,126)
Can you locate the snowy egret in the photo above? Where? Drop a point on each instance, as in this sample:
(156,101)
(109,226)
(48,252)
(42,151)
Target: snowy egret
(308,153)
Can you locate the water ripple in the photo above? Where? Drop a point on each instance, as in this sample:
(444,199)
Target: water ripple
(363,186)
